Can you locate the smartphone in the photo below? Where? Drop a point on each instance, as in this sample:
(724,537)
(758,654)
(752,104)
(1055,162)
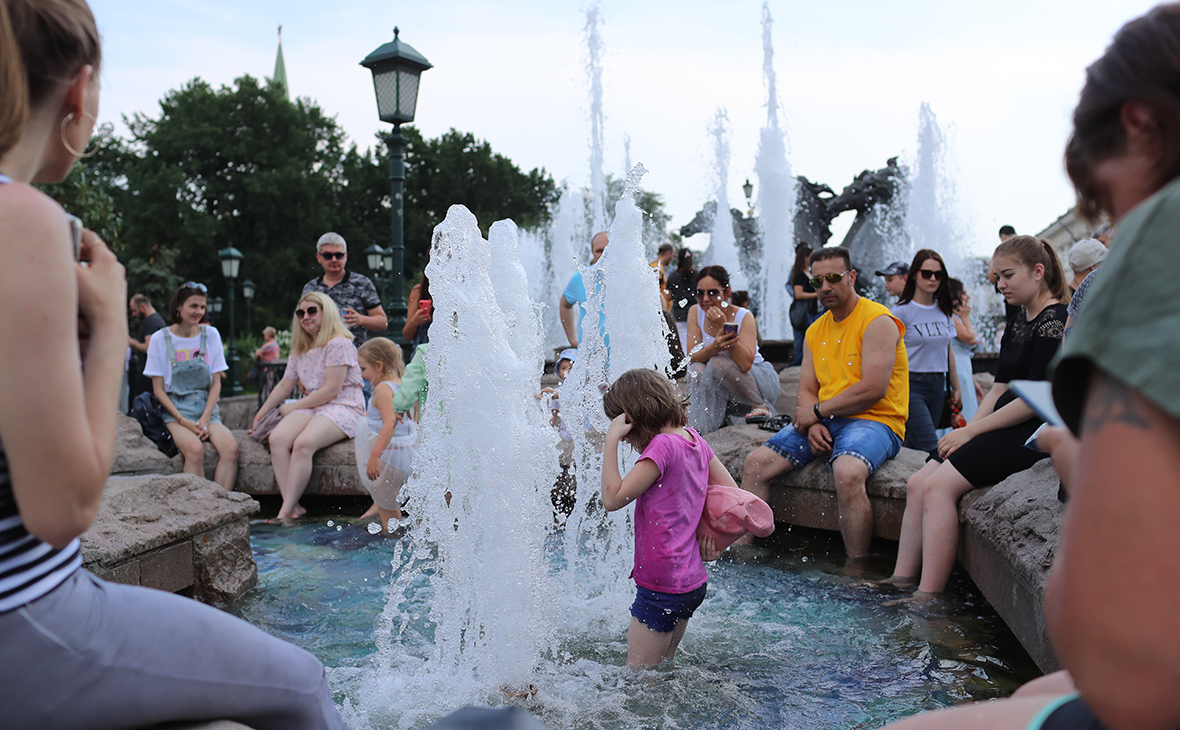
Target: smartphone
(729,329)
(76,235)
(424,305)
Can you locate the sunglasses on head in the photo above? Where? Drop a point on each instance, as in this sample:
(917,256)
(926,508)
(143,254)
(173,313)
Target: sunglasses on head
(702,293)
(818,281)
(936,275)
(329,255)
(194,285)
(311,311)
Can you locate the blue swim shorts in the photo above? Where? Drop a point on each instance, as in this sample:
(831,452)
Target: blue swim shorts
(661,611)
(870,441)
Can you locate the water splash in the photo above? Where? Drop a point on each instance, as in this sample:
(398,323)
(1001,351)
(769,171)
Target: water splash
(776,204)
(482,493)
(594,48)
(722,246)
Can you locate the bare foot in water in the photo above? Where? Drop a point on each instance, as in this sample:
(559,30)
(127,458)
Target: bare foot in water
(918,600)
(371,513)
(893,581)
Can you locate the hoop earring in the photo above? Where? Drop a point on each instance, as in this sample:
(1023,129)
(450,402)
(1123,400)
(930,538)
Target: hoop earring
(69,147)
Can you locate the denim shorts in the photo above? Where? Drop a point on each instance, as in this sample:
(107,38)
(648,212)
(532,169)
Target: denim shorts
(870,441)
(661,612)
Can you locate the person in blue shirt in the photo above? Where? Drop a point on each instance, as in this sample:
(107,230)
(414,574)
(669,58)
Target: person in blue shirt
(572,300)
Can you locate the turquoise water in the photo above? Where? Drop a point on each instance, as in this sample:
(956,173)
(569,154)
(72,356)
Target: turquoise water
(784,640)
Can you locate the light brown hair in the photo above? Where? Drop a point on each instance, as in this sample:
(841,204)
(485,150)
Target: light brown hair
(650,401)
(381,351)
(43,43)
(1031,251)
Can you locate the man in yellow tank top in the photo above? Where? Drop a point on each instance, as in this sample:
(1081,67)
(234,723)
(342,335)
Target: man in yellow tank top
(853,400)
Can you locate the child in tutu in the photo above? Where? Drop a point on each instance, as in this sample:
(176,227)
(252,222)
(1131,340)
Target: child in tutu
(385,441)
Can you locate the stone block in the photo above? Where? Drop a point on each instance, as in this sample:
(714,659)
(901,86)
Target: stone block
(135,453)
(126,572)
(169,568)
(237,412)
(334,470)
(223,563)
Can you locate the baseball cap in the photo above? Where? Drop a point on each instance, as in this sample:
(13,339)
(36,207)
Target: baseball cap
(894,269)
(1086,253)
(731,512)
(568,353)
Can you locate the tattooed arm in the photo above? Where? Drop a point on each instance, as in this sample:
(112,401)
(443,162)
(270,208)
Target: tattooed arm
(1114,595)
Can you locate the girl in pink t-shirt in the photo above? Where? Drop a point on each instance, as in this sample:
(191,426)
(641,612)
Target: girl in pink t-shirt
(668,485)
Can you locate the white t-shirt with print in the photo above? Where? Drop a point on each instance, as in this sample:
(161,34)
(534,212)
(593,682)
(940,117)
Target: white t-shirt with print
(159,359)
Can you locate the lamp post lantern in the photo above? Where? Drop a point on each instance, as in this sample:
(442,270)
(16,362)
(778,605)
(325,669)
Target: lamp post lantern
(375,258)
(248,295)
(396,68)
(748,189)
(231,262)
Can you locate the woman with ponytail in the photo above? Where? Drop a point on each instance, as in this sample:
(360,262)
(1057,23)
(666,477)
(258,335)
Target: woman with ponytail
(991,447)
(80,652)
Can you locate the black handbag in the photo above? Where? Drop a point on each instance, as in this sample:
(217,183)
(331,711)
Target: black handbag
(146,409)
(800,314)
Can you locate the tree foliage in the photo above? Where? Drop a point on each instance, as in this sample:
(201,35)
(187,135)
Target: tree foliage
(243,166)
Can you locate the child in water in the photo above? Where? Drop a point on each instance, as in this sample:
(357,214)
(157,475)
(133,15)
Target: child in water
(385,441)
(668,485)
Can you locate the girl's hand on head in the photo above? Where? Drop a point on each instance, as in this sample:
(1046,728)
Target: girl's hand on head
(620,426)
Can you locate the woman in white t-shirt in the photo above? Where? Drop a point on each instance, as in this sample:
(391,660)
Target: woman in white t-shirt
(184,362)
(926,310)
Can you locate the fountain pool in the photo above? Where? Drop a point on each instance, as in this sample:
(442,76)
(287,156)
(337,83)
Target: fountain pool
(783,640)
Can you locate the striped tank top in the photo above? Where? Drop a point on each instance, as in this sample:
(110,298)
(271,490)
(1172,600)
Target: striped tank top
(29,568)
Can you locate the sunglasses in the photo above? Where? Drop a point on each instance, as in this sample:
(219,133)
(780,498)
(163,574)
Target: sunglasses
(311,311)
(329,255)
(818,281)
(195,286)
(702,293)
(936,275)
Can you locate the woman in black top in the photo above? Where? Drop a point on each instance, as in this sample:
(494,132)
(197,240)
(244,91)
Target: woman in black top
(991,447)
(805,308)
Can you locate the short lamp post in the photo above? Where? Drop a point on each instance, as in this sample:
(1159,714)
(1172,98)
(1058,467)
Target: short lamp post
(748,189)
(231,262)
(248,295)
(396,68)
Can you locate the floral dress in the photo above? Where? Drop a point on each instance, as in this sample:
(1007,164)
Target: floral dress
(309,370)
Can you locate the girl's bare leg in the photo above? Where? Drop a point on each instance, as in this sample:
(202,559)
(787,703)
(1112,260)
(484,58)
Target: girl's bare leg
(227,455)
(909,544)
(282,442)
(191,447)
(647,648)
(940,526)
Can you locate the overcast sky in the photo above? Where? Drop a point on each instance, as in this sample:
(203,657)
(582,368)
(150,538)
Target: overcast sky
(1002,78)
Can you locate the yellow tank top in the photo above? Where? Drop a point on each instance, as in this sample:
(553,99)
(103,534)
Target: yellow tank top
(836,355)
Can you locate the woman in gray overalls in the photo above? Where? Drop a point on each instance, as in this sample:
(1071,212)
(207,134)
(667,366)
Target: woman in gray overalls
(185,362)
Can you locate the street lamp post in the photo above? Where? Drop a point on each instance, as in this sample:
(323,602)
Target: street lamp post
(375,257)
(231,262)
(248,295)
(748,189)
(396,68)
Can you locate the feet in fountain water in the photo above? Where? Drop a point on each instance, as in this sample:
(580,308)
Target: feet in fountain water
(921,603)
(894,582)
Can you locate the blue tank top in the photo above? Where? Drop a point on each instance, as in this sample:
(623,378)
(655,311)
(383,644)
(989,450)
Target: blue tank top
(29,567)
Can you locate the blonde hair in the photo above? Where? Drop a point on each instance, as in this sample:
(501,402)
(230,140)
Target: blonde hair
(650,401)
(269,332)
(331,325)
(43,43)
(383,351)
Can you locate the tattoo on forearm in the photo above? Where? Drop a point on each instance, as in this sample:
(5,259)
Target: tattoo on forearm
(1112,402)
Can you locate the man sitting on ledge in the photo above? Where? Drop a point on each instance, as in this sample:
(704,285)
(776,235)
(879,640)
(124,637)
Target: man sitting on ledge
(853,398)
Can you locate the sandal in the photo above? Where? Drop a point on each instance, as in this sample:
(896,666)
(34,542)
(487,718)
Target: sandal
(775,424)
(759,414)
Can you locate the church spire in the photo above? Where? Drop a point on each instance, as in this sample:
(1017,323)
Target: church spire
(280,75)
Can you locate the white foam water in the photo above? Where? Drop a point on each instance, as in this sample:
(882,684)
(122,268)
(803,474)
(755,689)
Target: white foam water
(722,249)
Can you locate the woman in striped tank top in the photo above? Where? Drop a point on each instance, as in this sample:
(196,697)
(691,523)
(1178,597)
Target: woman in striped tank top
(78,652)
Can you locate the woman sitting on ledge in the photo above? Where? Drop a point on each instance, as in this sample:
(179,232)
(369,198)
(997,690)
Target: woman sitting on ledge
(726,365)
(323,365)
(185,362)
(991,447)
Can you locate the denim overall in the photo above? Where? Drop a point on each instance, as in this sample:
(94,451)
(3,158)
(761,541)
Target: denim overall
(191,380)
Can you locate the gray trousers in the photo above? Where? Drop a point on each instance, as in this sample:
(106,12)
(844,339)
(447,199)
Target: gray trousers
(99,655)
(711,387)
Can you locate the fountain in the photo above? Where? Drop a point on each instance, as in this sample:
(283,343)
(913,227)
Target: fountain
(776,201)
(722,248)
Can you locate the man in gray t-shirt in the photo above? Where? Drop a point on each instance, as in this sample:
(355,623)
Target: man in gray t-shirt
(353,293)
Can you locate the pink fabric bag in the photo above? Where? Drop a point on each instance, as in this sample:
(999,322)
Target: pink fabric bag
(731,512)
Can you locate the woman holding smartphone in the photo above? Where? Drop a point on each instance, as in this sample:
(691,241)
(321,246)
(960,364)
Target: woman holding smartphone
(419,313)
(726,366)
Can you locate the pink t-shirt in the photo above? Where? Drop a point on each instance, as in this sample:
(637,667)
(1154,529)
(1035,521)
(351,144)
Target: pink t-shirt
(667,557)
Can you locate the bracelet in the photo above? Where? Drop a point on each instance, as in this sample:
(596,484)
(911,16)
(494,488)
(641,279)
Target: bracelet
(815,410)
